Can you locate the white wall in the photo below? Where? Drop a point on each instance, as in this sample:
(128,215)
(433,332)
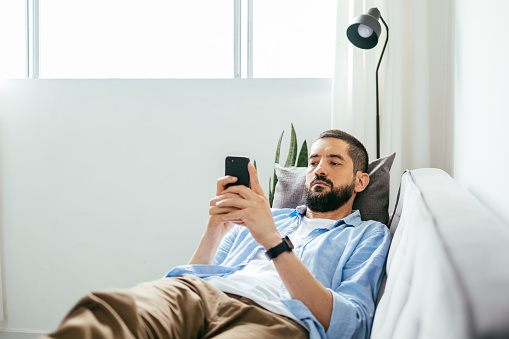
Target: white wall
(106,183)
(481,160)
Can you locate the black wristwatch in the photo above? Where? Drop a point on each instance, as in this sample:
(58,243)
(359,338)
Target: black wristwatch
(284,246)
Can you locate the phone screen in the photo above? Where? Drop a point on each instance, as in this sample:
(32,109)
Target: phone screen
(237,167)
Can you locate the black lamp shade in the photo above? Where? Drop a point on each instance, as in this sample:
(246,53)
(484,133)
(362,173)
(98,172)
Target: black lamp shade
(371,20)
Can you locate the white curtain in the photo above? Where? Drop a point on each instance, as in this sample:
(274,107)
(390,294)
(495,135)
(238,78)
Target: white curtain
(415,83)
(1,296)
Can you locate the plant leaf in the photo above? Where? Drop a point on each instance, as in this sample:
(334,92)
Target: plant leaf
(274,182)
(271,193)
(272,186)
(278,152)
(278,148)
(292,152)
(302,160)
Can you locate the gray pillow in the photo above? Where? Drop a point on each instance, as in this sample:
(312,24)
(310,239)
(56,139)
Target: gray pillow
(373,202)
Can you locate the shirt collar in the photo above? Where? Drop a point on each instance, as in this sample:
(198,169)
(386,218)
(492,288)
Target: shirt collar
(354,219)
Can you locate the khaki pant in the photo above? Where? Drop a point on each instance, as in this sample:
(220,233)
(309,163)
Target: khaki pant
(181,307)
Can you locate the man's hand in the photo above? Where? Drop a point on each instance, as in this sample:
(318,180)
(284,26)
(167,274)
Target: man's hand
(249,208)
(216,226)
(237,205)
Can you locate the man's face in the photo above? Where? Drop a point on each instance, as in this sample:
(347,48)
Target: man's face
(330,181)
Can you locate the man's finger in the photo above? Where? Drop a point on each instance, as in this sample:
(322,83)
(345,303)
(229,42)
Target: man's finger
(222,182)
(234,216)
(253,177)
(222,196)
(214,210)
(233,202)
(239,190)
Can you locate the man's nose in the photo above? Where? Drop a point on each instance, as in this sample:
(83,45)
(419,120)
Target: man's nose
(320,169)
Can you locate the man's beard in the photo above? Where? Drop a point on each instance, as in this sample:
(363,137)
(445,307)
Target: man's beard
(330,201)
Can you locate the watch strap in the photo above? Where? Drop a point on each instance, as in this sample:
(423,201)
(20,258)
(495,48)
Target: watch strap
(285,245)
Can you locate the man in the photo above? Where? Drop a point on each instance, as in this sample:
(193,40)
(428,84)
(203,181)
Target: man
(246,281)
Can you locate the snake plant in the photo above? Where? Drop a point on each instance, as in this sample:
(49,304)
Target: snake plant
(293,159)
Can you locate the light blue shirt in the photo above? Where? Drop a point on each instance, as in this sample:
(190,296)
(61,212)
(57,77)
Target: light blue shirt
(347,257)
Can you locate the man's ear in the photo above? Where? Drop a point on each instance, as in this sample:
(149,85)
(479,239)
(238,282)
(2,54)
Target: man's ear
(361,181)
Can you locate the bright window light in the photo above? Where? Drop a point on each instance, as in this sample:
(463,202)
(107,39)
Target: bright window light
(12,39)
(294,39)
(136,39)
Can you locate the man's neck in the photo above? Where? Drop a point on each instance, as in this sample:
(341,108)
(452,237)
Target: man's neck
(338,214)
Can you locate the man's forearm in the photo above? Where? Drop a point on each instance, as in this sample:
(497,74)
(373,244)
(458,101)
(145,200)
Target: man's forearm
(205,252)
(304,287)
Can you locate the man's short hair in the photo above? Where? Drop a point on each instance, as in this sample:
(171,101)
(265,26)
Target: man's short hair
(356,149)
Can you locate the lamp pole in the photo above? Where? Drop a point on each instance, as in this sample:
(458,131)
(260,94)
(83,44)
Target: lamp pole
(364,33)
(377,99)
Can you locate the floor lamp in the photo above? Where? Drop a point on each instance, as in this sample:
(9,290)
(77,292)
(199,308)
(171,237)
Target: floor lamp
(364,33)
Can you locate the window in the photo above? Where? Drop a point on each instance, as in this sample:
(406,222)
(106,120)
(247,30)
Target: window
(294,39)
(168,38)
(136,39)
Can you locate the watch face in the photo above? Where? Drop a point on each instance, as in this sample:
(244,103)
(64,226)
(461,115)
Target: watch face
(289,242)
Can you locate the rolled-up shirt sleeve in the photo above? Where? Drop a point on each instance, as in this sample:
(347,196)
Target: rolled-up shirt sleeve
(225,246)
(354,297)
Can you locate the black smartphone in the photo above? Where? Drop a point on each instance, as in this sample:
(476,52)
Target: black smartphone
(237,167)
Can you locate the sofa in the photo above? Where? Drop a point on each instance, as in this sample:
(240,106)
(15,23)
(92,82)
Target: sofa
(447,271)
